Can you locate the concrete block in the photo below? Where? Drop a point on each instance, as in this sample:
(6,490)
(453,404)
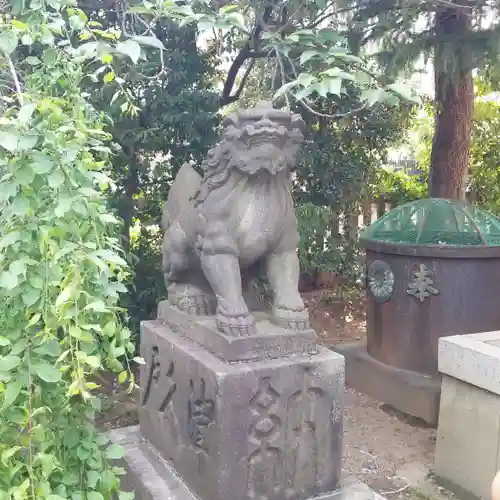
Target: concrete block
(406,391)
(474,359)
(270,429)
(467,445)
(152,478)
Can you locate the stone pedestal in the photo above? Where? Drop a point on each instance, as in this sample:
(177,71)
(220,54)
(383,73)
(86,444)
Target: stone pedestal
(153,478)
(467,445)
(215,427)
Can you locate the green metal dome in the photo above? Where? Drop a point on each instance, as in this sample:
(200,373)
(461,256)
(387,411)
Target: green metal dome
(436,221)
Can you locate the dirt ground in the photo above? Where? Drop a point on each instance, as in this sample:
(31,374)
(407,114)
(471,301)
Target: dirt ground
(337,317)
(390,452)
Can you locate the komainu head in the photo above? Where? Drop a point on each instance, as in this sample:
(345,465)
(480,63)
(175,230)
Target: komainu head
(261,139)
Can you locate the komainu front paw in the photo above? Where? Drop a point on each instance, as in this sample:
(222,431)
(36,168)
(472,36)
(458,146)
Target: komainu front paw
(234,321)
(292,319)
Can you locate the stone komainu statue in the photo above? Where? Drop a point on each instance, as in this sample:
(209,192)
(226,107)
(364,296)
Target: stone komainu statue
(239,215)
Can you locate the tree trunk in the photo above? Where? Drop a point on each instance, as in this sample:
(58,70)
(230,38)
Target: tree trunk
(454,105)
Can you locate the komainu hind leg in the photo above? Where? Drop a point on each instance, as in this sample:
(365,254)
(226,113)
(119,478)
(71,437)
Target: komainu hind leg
(192,297)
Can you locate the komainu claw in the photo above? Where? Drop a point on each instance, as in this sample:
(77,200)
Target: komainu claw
(292,319)
(236,326)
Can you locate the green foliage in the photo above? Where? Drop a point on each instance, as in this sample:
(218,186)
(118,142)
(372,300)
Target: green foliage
(340,157)
(484,173)
(319,246)
(485,155)
(421,134)
(339,160)
(148,286)
(171,111)
(177,122)
(322,248)
(62,269)
(297,36)
(398,186)
(459,37)
(406,33)
(177,116)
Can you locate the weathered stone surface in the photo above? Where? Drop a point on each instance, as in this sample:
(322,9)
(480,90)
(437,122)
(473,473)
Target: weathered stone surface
(269,429)
(406,391)
(473,358)
(153,479)
(467,444)
(269,341)
(148,475)
(238,217)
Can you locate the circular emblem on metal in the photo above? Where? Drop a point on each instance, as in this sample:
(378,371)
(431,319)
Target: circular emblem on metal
(380,280)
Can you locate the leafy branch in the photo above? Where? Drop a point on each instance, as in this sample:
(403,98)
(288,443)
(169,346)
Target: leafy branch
(270,32)
(61,268)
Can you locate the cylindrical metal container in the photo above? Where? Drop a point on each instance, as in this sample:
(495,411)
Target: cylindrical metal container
(420,288)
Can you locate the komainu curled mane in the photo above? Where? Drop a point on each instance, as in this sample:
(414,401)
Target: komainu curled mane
(238,215)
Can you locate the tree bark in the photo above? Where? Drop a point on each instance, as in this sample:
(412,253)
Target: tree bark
(454,105)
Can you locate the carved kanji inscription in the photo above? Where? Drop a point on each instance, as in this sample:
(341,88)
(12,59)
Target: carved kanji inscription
(160,388)
(265,468)
(153,373)
(292,454)
(200,415)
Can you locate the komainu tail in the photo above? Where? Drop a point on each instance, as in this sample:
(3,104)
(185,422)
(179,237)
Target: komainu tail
(178,203)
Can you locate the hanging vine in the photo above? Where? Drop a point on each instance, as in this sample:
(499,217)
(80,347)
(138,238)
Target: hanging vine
(61,269)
